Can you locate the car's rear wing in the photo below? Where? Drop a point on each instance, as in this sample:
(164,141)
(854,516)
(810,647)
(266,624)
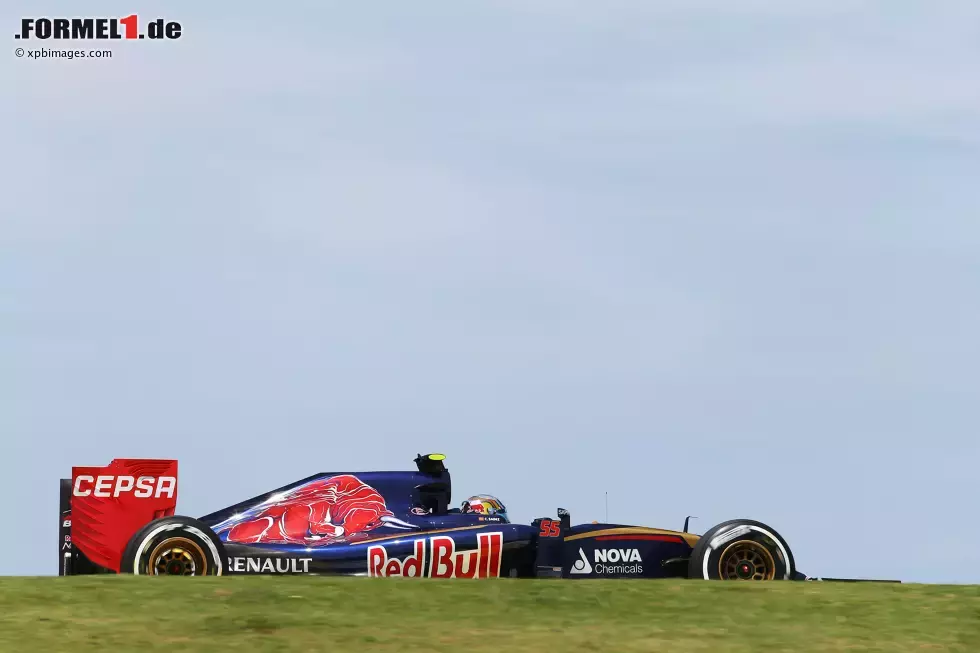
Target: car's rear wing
(101,508)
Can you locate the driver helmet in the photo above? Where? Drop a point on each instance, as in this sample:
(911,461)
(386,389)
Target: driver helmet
(484,504)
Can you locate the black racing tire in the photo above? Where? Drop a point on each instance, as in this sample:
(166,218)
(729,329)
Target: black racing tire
(174,546)
(742,549)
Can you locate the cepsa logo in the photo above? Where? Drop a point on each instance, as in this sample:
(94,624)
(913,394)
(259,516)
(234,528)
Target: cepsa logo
(97,28)
(143,487)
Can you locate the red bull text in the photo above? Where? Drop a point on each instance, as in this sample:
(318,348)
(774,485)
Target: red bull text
(444,561)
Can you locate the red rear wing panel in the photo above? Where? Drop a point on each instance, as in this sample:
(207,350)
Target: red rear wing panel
(109,504)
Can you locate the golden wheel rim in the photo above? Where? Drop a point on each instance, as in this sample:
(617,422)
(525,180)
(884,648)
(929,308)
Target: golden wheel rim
(746,560)
(177,556)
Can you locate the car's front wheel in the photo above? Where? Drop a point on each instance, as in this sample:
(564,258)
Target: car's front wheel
(742,549)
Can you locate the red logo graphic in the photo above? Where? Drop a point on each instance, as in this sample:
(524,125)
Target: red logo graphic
(445,561)
(325,511)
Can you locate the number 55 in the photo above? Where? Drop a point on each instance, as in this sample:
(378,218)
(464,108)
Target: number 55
(550,528)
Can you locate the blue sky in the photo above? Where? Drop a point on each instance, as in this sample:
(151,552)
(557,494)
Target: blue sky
(712,258)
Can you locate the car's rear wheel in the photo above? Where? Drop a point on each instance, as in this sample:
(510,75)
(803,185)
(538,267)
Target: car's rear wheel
(174,546)
(742,549)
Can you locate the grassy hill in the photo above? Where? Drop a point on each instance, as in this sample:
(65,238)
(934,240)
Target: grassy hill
(309,615)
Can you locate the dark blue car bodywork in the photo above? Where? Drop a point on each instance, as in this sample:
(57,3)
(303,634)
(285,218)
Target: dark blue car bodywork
(438,541)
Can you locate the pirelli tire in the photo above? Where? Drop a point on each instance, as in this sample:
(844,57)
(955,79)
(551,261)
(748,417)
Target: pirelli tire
(174,546)
(742,549)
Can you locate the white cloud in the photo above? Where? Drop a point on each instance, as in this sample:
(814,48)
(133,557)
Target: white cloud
(853,82)
(630,11)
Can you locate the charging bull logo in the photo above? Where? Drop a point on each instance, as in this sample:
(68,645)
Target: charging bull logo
(324,511)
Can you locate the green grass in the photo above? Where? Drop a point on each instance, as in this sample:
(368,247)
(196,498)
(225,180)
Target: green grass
(310,615)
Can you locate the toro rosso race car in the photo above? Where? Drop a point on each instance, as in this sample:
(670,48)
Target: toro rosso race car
(120,519)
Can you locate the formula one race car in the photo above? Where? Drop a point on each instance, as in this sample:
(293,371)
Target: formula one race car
(120,519)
